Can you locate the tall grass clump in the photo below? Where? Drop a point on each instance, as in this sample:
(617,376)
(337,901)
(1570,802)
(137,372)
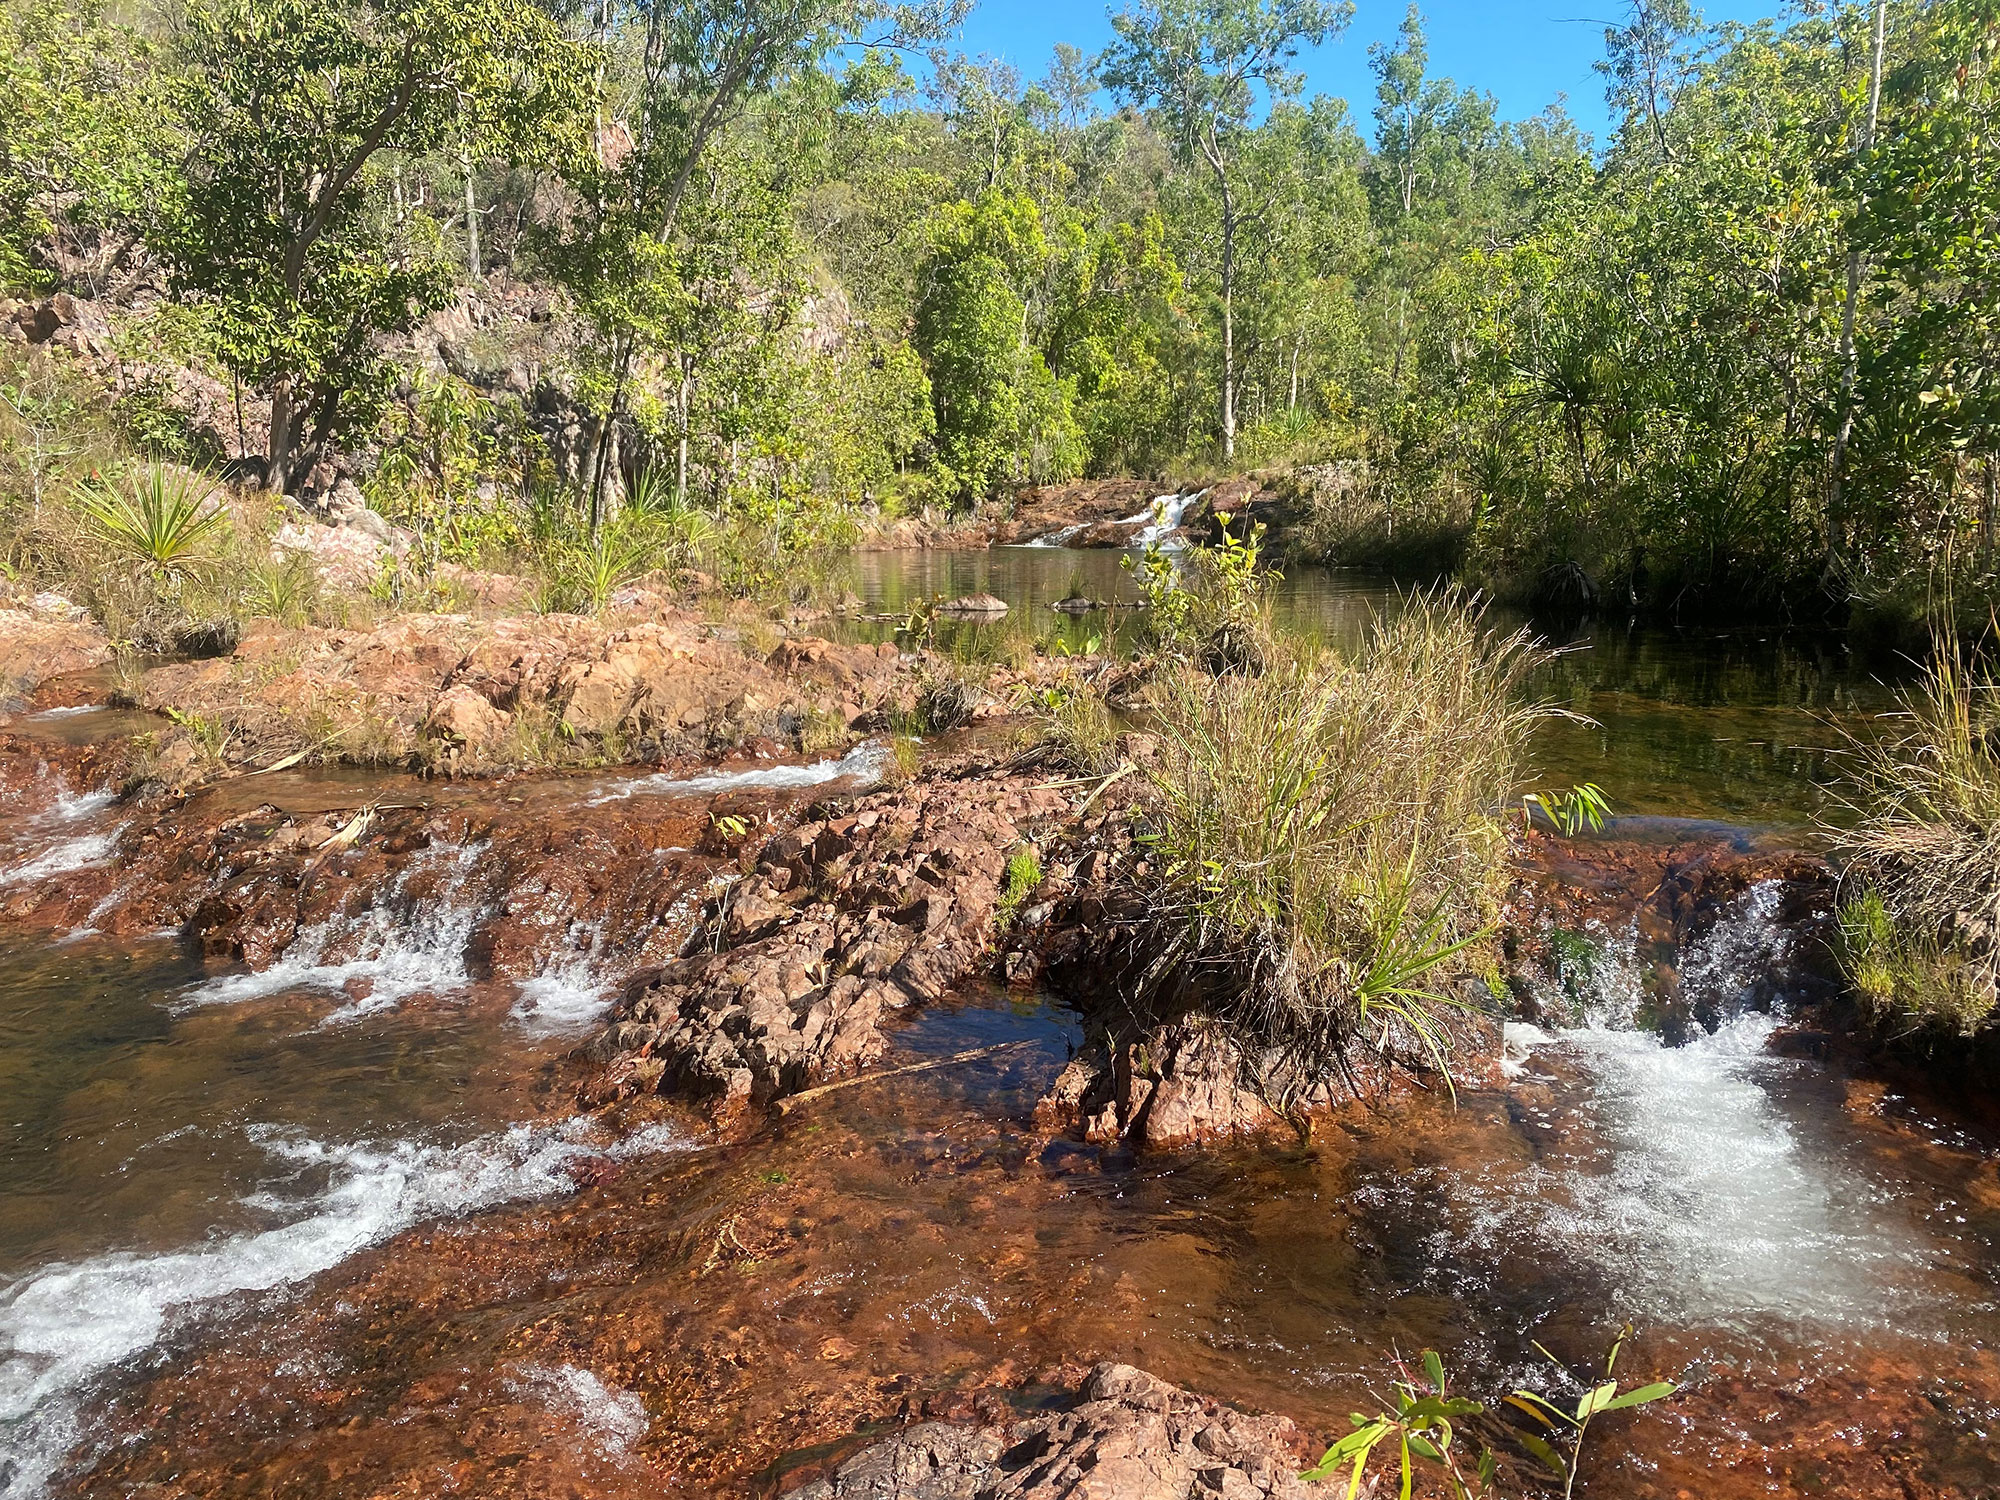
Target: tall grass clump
(1919,936)
(1328,837)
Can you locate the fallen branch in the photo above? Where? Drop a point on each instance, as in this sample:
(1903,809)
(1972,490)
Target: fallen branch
(786,1105)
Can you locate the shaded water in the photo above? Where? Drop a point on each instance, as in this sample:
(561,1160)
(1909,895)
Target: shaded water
(1744,726)
(332,1229)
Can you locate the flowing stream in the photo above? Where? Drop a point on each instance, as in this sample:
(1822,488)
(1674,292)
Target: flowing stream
(339,1216)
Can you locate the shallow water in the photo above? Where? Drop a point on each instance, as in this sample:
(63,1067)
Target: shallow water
(332,1228)
(1746,726)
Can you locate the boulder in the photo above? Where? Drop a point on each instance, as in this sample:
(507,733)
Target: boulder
(462,718)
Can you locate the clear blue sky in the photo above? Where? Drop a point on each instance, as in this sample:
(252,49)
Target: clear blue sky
(1523,52)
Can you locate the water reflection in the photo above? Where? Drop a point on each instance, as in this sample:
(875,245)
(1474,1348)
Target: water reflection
(1745,726)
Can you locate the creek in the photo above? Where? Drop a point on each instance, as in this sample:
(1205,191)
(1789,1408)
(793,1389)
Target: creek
(336,1228)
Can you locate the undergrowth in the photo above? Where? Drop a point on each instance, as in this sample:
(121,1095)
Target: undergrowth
(1918,936)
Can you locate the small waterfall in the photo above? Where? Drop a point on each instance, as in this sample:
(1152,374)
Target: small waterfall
(64,1326)
(1704,1198)
(403,944)
(1163,521)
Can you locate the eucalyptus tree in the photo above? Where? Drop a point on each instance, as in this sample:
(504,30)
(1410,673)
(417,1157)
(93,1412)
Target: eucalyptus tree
(1199,63)
(287,109)
(698,67)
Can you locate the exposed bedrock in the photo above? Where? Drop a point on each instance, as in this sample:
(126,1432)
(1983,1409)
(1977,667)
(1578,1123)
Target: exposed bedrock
(1129,1436)
(845,921)
(468,694)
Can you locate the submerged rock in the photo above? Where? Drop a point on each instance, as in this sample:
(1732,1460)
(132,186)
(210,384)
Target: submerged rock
(1131,1436)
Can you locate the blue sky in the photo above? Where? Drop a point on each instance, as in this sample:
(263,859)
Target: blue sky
(1523,52)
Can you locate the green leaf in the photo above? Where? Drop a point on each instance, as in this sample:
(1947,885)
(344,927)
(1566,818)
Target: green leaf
(1640,1396)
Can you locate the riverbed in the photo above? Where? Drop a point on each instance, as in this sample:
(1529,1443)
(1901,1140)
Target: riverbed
(338,1228)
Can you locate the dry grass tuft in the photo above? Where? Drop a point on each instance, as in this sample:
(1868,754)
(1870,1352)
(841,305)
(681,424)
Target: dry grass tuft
(1328,837)
(1927,850)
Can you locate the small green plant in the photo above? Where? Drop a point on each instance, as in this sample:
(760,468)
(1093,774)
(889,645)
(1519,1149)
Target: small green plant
(1900,972)
(1582,806)
(730,825)
(1169,607)
(162,520)
(1024,873)
(1420,1429)
(1569,1426)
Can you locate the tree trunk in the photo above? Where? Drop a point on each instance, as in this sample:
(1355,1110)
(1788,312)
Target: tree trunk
(681,470)
(277,466)
(475,262)
(1228,321)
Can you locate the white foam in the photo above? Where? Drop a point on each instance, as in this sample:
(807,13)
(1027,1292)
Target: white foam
(400,946)
(73,805)
(64,713)
(864,762)
(1702,1202)
(67,855)
(614,1415)
(1163,521)
(65,1325)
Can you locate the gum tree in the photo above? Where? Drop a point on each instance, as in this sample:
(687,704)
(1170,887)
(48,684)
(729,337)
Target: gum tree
(1198,63)
(289,110)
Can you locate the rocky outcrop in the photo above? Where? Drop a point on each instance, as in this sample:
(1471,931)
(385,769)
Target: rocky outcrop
(550,688)
(467,887)
(43,636)
(1058,507)
(1131,1436)
(846,921)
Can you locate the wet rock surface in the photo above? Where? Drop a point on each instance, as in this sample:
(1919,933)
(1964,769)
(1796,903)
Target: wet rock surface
(848,919)
(44,636)
(1131,1436)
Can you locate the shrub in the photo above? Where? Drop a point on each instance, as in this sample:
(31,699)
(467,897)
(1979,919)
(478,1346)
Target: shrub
(162,521)
(1327,835)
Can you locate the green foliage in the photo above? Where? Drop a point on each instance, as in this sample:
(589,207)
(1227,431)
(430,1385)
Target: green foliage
(1908,977)
(1582,806)
(160,518)
(279,221)
(1001,415)
(1420,1429)
(1569,1426)
(1022,876)
(79,132)
(445,474)
(1325,833)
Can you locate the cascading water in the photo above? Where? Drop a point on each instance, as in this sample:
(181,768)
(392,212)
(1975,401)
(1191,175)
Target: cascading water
(1700,1195)
(1163,521)
(862,763)
(64,1326)
(400,946)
